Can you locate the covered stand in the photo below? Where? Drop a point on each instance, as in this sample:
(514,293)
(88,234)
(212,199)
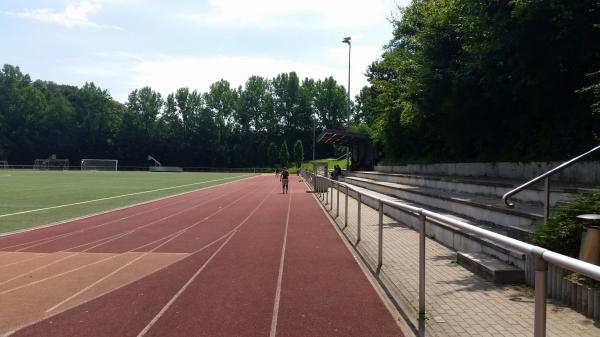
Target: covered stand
(363,154)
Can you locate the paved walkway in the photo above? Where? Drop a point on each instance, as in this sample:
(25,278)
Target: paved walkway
(458,303)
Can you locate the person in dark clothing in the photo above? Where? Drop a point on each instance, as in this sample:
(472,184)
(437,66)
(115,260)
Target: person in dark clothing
(284,180)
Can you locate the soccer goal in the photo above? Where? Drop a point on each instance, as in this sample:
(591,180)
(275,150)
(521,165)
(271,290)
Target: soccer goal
(3,164)
(99,164)
(51,164)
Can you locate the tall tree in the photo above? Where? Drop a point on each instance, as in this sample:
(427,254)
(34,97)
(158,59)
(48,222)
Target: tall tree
(298,153)
(284,154)
(272,154)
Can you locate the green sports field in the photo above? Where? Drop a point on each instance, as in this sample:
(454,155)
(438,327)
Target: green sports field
(25,194)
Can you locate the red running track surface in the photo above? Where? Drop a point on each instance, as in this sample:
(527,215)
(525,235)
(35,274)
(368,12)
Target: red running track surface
(259,263)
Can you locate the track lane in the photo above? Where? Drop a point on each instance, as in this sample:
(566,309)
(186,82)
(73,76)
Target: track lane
(229,288)
(132,306)
(45,234)
(324,291)
(87,232)
(234,296)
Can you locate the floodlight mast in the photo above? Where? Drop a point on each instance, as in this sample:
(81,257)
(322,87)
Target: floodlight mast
(347,41)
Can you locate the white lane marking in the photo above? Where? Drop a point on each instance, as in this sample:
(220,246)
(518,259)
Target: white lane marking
(115,197)
(117,255)
(186,285)
(78,231)
(44,266)
(130,263)
(78,268)
(87,216)
(116,220)
(174,236)
(280,275)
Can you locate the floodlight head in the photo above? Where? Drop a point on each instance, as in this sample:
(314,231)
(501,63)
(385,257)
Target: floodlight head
(347,40)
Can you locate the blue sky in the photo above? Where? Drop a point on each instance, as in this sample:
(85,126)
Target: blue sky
(122,45)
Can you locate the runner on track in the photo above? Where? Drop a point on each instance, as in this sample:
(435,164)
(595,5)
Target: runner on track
(277,172)
(284,180)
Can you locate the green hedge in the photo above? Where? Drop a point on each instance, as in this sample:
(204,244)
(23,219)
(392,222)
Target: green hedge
(562,232)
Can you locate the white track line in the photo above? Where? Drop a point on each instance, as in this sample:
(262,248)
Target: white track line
(105,238)
(176,296)
(30,271)
(128,264)
(76,269)
(116,220)
(280,274)
(77,231)
(114,197)
(175,235)
(117,255)
(87,216)
(104,293)
(187,284)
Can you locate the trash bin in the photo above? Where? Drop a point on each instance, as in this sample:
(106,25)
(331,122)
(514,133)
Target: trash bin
(589,251)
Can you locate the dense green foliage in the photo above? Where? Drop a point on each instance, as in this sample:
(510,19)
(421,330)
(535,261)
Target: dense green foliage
(494,80)
(562,232)
(222,127)
(284,154)
(26,190)
(298,153)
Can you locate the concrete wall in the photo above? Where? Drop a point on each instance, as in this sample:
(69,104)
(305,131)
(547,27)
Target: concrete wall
(585,172)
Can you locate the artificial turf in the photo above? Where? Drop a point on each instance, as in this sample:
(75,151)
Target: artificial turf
(26,190)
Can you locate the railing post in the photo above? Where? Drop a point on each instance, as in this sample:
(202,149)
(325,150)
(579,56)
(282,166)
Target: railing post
(539,324)
(331,204)
(358,215)
(337,207)
(422,232)
(326,186)
(346,209)
(380,246)
(546,198)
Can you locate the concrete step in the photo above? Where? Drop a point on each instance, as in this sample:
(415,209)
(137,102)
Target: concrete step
(493,187)
(490,268)
(443,233)
(482,210)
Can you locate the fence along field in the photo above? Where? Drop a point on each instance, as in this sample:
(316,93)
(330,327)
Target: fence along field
(32,198)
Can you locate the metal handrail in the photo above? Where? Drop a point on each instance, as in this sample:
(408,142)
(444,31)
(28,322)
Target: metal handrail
(546,176)
(541,255)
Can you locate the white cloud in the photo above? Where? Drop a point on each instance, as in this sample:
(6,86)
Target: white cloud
(74,15)
(294,13)
(92,71)
(168,73)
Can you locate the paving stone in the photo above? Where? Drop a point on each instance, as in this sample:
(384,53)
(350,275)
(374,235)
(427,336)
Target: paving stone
(468,304)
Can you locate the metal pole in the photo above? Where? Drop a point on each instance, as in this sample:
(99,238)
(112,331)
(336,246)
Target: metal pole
(380,246)
(314,138)
(337,207)
(332,187)
(546,198)
(347,40)
(539,324)
(422,231)
(346,208)
(359,199)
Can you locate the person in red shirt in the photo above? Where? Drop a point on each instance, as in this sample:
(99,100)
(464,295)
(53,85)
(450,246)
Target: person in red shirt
(284,180)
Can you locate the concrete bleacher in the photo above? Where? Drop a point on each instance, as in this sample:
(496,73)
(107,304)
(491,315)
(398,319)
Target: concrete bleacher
(475,200)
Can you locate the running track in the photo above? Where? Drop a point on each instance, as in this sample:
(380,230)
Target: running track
(238,259)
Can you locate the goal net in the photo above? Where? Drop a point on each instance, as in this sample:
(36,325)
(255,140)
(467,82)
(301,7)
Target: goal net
(51,164)
(99,164)
(3,164)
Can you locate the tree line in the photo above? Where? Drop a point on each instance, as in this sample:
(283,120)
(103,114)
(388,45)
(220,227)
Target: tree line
(494,80)
(248,126)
